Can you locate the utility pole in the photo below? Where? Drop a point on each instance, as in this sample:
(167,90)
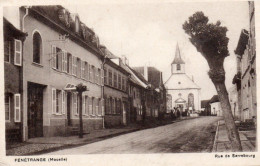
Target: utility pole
(80,88)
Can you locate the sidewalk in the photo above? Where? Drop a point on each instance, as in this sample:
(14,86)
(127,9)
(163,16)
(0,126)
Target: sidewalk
(222,144)
(42,145)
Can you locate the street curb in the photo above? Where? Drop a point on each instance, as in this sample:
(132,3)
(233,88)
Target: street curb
(214,149)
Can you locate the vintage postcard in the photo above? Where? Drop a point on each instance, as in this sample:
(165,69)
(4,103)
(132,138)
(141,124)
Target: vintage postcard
(129,83)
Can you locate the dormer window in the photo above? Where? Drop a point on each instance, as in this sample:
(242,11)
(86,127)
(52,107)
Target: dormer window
(77,25)
(178,67)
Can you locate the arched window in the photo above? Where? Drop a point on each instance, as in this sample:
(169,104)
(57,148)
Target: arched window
(37,48)
(178,67)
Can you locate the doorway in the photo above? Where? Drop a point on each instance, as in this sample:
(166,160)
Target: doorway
(35,110)
(69,108)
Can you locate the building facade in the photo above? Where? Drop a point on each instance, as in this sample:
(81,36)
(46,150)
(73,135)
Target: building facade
(13,53)
(215,106)
(182,91)
(115,94)
(246,70)
(156,94)
(60,52)
(233,99)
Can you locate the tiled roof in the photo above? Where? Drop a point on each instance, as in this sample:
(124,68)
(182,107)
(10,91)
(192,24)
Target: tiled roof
(242,42)
(214,99)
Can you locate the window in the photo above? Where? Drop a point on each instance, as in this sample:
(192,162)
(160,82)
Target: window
(105,76)
(17,52)
(83,69)
(102,77)
(115,79)
(86,71)
(99,76)
(17,108)
(123,83)
(94,76)
(83,105)
(74,65)
(78,68)
(85,111)
(58,102)
(119,82)
(53,101)
(97,106)
(54,56)
(69,63)
(37,48)
(57,58)
(75,104)
(178,67)
(102,111)
(64,61)
(7,107)
(7,51)
(77,25)
(63,102)
(90,106)
(110,77)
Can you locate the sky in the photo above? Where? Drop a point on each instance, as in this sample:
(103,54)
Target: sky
(147,33)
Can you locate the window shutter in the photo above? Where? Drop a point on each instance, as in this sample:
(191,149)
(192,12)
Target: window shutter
(90,73)
(96,104)
(53,101)
(86,106)
(82,69)
(17,52)
(63,96)
(54,56)
(73,66)
(17,108)
(102,77)
(102,107)
(76,103)
(66,61)
(83,105)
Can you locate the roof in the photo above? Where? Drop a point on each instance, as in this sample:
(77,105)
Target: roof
(133,77)
(214,99)
(177,58)
(154,75)
(10,29)
(49,15)
(204,103)
(242,42)
(180,81)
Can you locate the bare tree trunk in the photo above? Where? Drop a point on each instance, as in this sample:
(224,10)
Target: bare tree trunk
(232,131)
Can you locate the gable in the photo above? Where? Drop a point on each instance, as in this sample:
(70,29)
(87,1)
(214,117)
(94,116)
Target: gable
(180,81)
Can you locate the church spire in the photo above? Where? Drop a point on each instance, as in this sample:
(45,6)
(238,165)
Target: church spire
(177,58)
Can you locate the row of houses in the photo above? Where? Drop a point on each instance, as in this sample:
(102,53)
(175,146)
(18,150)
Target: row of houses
(242,95)
(47,55)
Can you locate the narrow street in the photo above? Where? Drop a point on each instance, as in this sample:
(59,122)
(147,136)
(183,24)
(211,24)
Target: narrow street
(194,135)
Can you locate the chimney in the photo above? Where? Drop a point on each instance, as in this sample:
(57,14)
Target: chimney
(146,72)
(125,60)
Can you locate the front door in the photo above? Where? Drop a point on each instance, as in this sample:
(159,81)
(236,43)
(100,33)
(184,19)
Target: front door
(69,108)
(35,110)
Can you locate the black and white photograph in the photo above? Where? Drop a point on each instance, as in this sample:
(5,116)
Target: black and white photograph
(173,78)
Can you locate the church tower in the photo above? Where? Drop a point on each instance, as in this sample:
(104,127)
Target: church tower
(178,65)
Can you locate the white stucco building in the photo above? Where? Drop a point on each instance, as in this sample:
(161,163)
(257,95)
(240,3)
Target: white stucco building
(182,91)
